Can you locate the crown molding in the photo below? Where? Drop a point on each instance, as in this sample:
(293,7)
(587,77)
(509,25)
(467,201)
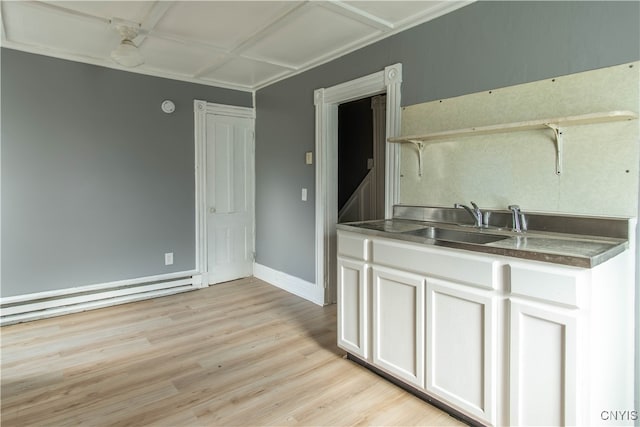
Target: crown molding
(108,64)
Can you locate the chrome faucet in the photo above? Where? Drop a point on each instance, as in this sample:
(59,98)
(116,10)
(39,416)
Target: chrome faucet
(519,221)
(476,213)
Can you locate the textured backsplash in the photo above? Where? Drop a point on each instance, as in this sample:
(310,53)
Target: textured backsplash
(600,161)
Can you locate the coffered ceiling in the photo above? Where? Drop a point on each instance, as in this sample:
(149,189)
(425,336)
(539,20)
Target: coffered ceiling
(242,45)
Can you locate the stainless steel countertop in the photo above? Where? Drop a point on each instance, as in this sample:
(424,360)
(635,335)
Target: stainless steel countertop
(583,247)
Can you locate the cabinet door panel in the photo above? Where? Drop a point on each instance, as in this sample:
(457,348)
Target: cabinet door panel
(353,303)
(398,324)
(550,283)
(461,347)
(471,269)
(353,246)
(543,367)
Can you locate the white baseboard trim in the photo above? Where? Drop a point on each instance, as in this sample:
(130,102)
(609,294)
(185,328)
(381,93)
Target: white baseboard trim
(41,305)
(291,284)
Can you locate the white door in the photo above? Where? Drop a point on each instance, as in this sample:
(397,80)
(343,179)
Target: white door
(230,197)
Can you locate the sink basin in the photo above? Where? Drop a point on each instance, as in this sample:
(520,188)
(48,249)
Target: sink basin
(391,226)
(459,236)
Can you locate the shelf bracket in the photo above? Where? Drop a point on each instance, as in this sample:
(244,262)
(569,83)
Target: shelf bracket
(419,147)
(557,132)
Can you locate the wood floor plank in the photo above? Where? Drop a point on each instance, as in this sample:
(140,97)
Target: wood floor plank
(236,354)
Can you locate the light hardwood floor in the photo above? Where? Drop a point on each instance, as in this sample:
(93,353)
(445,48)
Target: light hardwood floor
(239,353)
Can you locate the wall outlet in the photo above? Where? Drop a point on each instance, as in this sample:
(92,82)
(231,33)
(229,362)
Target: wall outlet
(308,157)
(168,258)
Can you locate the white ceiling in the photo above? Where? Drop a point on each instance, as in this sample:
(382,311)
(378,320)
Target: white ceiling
(242,45)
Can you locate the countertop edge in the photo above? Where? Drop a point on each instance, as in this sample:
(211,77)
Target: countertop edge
(553,257)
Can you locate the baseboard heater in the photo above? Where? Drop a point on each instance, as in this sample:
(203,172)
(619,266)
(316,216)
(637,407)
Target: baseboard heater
(41,305)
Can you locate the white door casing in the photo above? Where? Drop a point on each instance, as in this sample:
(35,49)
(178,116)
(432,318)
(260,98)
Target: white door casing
(326,102)
(225,217)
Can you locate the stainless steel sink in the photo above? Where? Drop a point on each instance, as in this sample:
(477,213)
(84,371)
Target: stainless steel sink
(478,238)
(391,226)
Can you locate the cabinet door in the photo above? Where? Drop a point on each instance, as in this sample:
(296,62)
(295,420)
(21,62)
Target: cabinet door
(543,366)
(398,324)
(353,307)
(461,347)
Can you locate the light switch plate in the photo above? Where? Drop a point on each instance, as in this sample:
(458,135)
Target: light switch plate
(308,157)
(168,258)
(304,194)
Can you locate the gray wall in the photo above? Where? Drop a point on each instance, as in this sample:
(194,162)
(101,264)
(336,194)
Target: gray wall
(482,46)
(97,182)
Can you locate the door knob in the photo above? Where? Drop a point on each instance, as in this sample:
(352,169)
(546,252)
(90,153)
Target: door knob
(212,210)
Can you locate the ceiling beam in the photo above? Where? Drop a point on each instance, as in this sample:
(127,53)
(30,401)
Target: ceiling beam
(64,11)
(359,15)
(216,57)
(156,13)
(273,25)
(266,30)
(187,41)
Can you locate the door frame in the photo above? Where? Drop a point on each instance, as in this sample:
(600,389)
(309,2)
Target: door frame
(326,102)
(200,111)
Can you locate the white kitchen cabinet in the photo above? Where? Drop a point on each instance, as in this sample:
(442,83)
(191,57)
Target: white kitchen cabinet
(398,324)
(354,296)
(353,307)
(503,341)
(462,347)
(543,366)
(545,312)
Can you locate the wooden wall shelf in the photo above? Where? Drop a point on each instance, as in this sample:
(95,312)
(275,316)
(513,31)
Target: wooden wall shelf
(555,124)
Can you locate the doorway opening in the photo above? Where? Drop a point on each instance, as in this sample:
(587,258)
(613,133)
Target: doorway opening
(327,100)
(361,159)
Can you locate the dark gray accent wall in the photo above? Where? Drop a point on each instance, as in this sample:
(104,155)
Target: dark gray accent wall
(97,182)
(482,46)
